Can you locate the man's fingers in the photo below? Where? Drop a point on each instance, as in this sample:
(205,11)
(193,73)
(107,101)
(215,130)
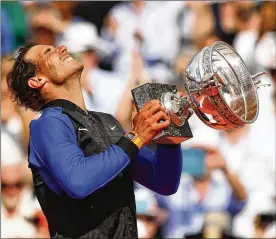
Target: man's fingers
(154,109)
(133,113)
(162,125)
(134,110)
(149,104)
(160,115)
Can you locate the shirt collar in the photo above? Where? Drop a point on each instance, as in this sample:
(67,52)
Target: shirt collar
(65,104)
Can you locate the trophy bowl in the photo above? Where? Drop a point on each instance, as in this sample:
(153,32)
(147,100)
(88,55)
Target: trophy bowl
(219,89)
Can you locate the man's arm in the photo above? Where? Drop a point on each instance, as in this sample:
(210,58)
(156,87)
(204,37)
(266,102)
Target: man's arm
(159,171)
(54,147)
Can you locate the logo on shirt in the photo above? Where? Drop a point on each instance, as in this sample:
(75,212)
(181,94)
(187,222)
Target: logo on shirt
(112,128)
(83,129)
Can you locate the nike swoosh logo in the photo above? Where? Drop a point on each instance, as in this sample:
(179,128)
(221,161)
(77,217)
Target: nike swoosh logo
(83,129)
(112,128)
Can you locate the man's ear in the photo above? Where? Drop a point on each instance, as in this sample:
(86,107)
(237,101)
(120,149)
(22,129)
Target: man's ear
(37,82)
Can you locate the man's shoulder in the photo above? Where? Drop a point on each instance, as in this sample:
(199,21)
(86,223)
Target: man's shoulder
(101,114)
(49,117)
(104,116)
(107,119)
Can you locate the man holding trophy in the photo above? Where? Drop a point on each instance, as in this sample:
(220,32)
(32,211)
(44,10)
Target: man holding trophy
(83,164)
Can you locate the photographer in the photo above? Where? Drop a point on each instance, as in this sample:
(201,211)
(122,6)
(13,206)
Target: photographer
(264,221)
(207,186)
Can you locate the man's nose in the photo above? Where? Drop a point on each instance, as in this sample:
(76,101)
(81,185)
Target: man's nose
(61,49)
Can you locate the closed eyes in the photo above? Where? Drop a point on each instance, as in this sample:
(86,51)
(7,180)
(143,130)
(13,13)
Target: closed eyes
(47,51)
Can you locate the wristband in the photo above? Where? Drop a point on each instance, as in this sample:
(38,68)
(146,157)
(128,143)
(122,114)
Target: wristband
(135,138)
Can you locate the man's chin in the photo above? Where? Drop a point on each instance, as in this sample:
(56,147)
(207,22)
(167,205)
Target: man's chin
(78,66)
(75,72)
(81,67)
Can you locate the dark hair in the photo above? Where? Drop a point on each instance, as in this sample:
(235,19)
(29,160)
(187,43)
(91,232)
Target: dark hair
(17,80)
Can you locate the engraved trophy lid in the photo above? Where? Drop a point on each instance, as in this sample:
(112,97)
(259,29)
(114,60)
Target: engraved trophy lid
(220,89)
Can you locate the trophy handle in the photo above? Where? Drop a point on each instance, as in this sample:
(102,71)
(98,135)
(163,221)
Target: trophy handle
(257,81)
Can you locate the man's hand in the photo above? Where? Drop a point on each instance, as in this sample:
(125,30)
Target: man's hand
(150,120)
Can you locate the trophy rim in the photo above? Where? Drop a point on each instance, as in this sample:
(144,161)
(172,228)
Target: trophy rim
(231,119)
(248,73)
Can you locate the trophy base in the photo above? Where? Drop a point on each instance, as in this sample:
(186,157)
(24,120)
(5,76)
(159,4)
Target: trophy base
(153,91)
(173,134)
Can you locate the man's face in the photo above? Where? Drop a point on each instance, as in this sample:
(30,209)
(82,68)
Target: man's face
(11,186)
(54,63)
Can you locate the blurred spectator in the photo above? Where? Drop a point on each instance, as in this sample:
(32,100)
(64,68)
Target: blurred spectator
(253,160)
(264,221)
(9,116)
(14,223)
(20,211)
(45,17)
(247,15)
(205,176)
(138,76)
(204,23)
(7,36)
(41,32)
(162,39)
(19,26)
(226,20)
(11,152)
(14,119)
(102,89)
(66,9)
(84,9)
(266,57)
(122,24)
(247,42)
(151,26)
(67,19)
(183,59)
(149,216)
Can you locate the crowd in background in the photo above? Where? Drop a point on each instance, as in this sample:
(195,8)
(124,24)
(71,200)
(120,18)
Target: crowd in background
(228,181)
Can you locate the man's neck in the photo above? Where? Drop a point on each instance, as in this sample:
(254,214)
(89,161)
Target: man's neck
(77,98)
(72,93)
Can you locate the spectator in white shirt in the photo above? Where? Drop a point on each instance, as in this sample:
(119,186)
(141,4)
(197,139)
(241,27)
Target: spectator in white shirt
(153,27)
(250,153)
(14,120)
(124,21)
(9,116)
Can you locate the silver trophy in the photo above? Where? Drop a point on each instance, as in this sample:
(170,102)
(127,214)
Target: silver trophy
(219,89)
